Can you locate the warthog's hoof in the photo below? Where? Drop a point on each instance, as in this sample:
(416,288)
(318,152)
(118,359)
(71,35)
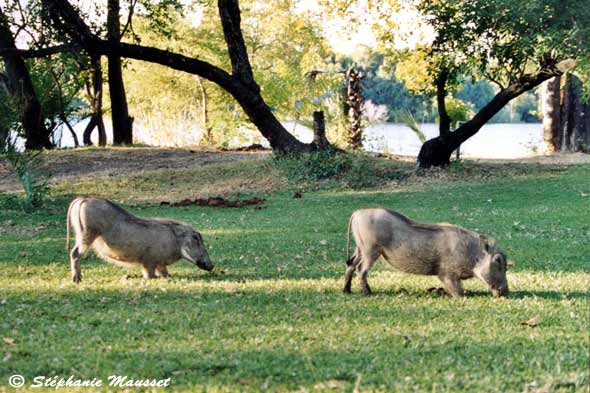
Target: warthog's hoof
(346,290)
(76,278)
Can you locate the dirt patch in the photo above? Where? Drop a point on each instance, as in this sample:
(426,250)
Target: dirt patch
(81,164)
(216,202)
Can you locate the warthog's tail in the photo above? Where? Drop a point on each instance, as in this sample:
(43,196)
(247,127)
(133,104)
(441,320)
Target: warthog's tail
(68,219)
(68,225)
(348,259)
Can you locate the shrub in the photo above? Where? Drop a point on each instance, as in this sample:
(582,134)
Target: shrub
(28,167)
(354,170)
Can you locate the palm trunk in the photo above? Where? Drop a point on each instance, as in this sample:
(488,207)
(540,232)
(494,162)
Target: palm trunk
(551,109)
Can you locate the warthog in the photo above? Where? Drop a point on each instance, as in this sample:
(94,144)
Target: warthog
(450,252)
(126,240)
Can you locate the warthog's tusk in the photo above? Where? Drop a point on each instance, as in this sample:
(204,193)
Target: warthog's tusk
(186,255)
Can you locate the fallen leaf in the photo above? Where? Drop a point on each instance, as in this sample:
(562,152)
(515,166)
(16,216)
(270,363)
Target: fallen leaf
(9,340)
(331,384)
(534,321)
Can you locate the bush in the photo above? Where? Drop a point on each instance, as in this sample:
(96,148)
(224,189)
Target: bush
(28,167)
(354,170)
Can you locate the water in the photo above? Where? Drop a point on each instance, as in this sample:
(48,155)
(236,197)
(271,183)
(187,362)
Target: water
(502,141)
(492,141)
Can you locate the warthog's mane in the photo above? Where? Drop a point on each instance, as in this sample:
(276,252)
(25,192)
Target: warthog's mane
(432,227)
(177,227)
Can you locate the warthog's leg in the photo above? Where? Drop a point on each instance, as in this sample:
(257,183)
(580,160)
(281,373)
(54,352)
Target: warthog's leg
(352,265)
(162,271)
(367,261)
(453,285)
(149,271)
(75,256)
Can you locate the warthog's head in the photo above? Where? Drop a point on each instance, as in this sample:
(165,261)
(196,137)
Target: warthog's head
(193,249)
(492,268)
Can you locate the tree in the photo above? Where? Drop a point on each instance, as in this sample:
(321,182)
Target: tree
(122,122)
(94,90)
(20,86)
(516,45)
(240,83)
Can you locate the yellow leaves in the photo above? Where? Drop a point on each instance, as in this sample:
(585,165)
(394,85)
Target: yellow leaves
(413,70)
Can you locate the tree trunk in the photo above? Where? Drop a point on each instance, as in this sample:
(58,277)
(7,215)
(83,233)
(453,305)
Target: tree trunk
(551,109)
(4,130)
(94,90)
(319,130)
(437,151)
(21,87)
(354,103)
(122,123)
(575,113)
(441,93)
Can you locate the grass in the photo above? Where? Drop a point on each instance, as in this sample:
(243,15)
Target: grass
(276,318)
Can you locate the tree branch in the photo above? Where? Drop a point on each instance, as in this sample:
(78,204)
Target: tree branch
(229,12)
(43,52)
(67,19)
(441,94)
(524,83)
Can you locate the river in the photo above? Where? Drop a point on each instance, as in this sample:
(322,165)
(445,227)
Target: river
(502,141)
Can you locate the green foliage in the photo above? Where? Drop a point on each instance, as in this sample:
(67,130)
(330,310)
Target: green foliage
(505,39)
(58,82)
(312,167)
(410,121)
(28,165)
(457,110)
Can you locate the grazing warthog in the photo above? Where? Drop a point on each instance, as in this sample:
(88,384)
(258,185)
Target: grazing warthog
(450,252)
(126,240)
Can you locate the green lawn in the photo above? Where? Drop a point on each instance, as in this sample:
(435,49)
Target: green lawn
(273,316)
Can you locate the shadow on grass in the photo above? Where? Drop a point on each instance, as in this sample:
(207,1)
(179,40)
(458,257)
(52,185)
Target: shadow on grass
(428,293)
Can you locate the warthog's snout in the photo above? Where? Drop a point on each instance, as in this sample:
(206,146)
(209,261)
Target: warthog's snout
(205,264)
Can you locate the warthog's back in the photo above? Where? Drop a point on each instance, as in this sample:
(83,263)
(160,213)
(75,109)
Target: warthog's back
(123,237)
